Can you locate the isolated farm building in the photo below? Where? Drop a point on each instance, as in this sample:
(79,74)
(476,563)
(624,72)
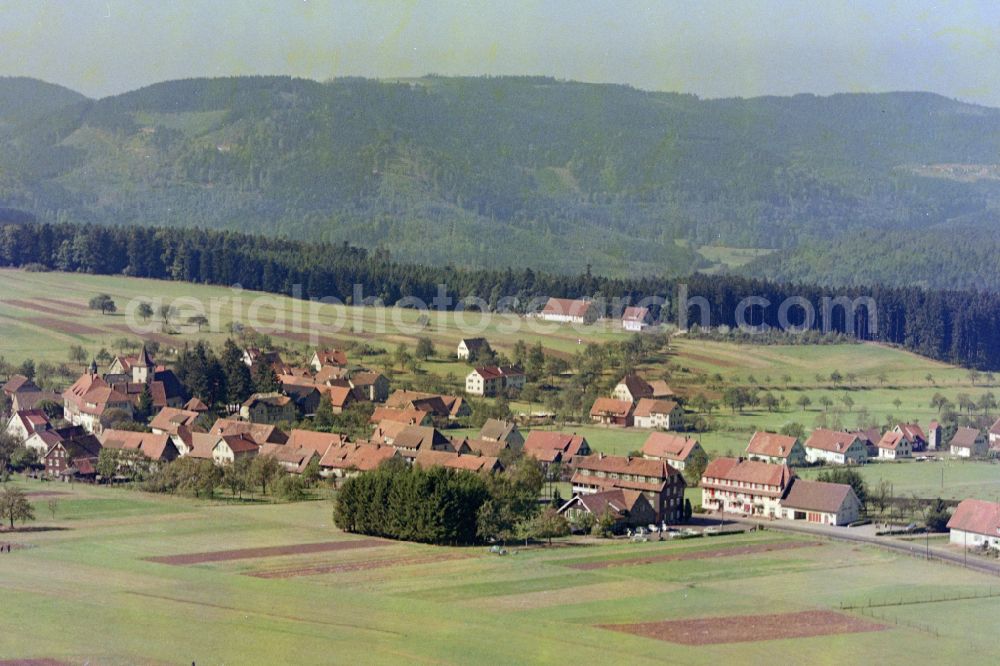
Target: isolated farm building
(819,502)
(831,446)
(156,447)
(72,457)
(628,508)
(661,483)
(493,380)
(975,523)
(370,386)
(268,408)
(894,445)
(935,436)
(750,487)
(25,400)
(673,449)
(324,357)
(261,433)
(661,414)
(776,449)
(471,348)
(23,424)
(632,387)
(170,419)
(499,430)
(914,434)
(406,416)
(89,398)
(636,318)
(544,445)
(609,411)
(452,460)
(19,384)
(969,443)
(229,448)
(577,311)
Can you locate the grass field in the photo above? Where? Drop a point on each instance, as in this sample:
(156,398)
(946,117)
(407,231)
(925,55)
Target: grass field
(947,479)
(85,591)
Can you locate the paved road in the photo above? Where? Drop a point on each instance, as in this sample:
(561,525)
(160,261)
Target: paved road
(855,535)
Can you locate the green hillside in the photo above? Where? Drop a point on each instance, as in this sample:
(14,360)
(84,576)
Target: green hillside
(510,171)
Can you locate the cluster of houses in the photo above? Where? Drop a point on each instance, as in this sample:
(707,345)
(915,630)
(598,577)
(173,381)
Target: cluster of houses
(636,402)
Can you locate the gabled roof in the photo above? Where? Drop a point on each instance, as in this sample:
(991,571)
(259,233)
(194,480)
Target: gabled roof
(18,383)
(415,437)
(617,501)
(92,395)
(152,446)
(497,429)
(428,458)
(31,399)
(965,438)
(817,496)
(331,373)
(830,440)
(267,398)
(978,516)
(483,447)
(32,420)
(661,389)
(261,433)
(657,469)
(539,441)
(239,443)
(472,344)
(892,440)
(495,371)
(913,432)
(201,444)
(313,440)
(995,429)
(648,406)
(409,416)
(738,470)
(611,407)
(331,357)
(362,457)
(196,405)
(669,446)
(636,385)
(82,445)
(366,378)
(567,307)
(169,419)
(771,444)
(635,314)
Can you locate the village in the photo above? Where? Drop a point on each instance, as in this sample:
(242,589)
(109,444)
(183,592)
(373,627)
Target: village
(135,418)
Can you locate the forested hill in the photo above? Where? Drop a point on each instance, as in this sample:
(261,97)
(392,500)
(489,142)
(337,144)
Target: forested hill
(515,171)
(23,99)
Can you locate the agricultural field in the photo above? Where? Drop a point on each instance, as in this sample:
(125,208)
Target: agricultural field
(218,582)
(944,478)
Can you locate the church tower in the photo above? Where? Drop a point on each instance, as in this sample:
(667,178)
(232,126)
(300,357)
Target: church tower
(143,369)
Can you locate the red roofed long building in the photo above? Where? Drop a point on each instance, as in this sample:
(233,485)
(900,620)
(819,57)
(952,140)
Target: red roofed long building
(544,444)
(976,523)
(776,449)
(751,487)
(662,484)
(840,448)
(609,411)
(568,310)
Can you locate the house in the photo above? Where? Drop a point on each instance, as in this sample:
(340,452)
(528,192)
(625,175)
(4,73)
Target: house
(994,435)
(674,449)
(200,445)
(452,460)
(870,438)
(662,414)
(431,403)
(319,442)
(407,416)
(479,447)
(609,411)
(23,424)
(914,435)
(822,503)
(292,459)
(134,376)
(975,523)
(350,459)
(493,380)
(25,400)
(628,508)
(471,348)
(497,430)
(322,357)
(840,448)
(157,447)
(776,449)
(304,393)
(893,445)
(370,386)
(332,375)
(631,388)
(19,384)
(268,408)
(636,319)
(749,487)
(412,439)
(968,443)
(660,389)
(935,437)
(578,311)
(169,419)
(89,399)
(73,456)
(44,439)
(230,448)
(550,446)
(261,433)
(253,356)
(661,483)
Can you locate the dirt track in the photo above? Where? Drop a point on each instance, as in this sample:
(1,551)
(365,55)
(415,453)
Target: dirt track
(749,628)
(267,551)
(752,549)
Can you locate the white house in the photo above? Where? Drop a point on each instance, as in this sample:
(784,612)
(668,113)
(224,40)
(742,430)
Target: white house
(469,347)
(893,445)
(968,443)
(975,523)
(661,414)
(676,450)
(493,380)
(840,448)
(994,435)
(776,449)
(749,487)
(822,503)
(24,423)
(230,447)
(635,319)
(568,310)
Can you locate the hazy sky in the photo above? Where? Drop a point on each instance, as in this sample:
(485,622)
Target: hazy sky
(713,49)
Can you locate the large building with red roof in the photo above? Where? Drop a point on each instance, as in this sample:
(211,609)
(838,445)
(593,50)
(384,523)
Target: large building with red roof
(748,487)
(661,483)
(976,523)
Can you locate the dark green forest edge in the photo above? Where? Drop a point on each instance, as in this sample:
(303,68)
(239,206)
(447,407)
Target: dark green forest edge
(956,326)
(897,188)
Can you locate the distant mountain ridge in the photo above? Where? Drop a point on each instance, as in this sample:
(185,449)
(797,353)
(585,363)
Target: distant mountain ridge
(508,171)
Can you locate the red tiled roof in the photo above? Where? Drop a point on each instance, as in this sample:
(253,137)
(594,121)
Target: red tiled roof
(771,444)
(657,469)
(567,307)
(169,419)
(995,429)
(32,420)
(409,416)
(891,440)
(259,432)
(965,438)
(611,407)
(648,406)
(19,383)
(636,385)
(331,357)
(635,314)
(913,432)
(830,440)
(978,516)
(538,441)
(495,371)
(240,443)
(453,460)
(312,440)
(151,445)
(730,470)
(666,445)
(817,495)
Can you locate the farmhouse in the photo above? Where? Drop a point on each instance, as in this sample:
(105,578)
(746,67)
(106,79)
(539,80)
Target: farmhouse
(776,449)
(661,389)
(229,448)
(480,447)
(662,414)
(25,400)
(89,399)
(323,357)
(452,460)
(568,310)
(749,487)
(497,430)
(492,380)
(139,374)
(829,446)
(407,416)
(253,356)
(413,438)
(636,319)
(869,437)
(73,456)
(609,411)
(819,502)
(975,523)
(196,405)
(968,443)
(23,424)
(632,387)
(674,449)
(550,446)
(261,433)
(893,445)
(439,406)
(156,447)
(349,459)
(914,434)
(19,384)
(661,483)
(318,442)
(470,348)
(268,408)
(370,386)
(169,419)
(292,459)
(628,508)
(44,439)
